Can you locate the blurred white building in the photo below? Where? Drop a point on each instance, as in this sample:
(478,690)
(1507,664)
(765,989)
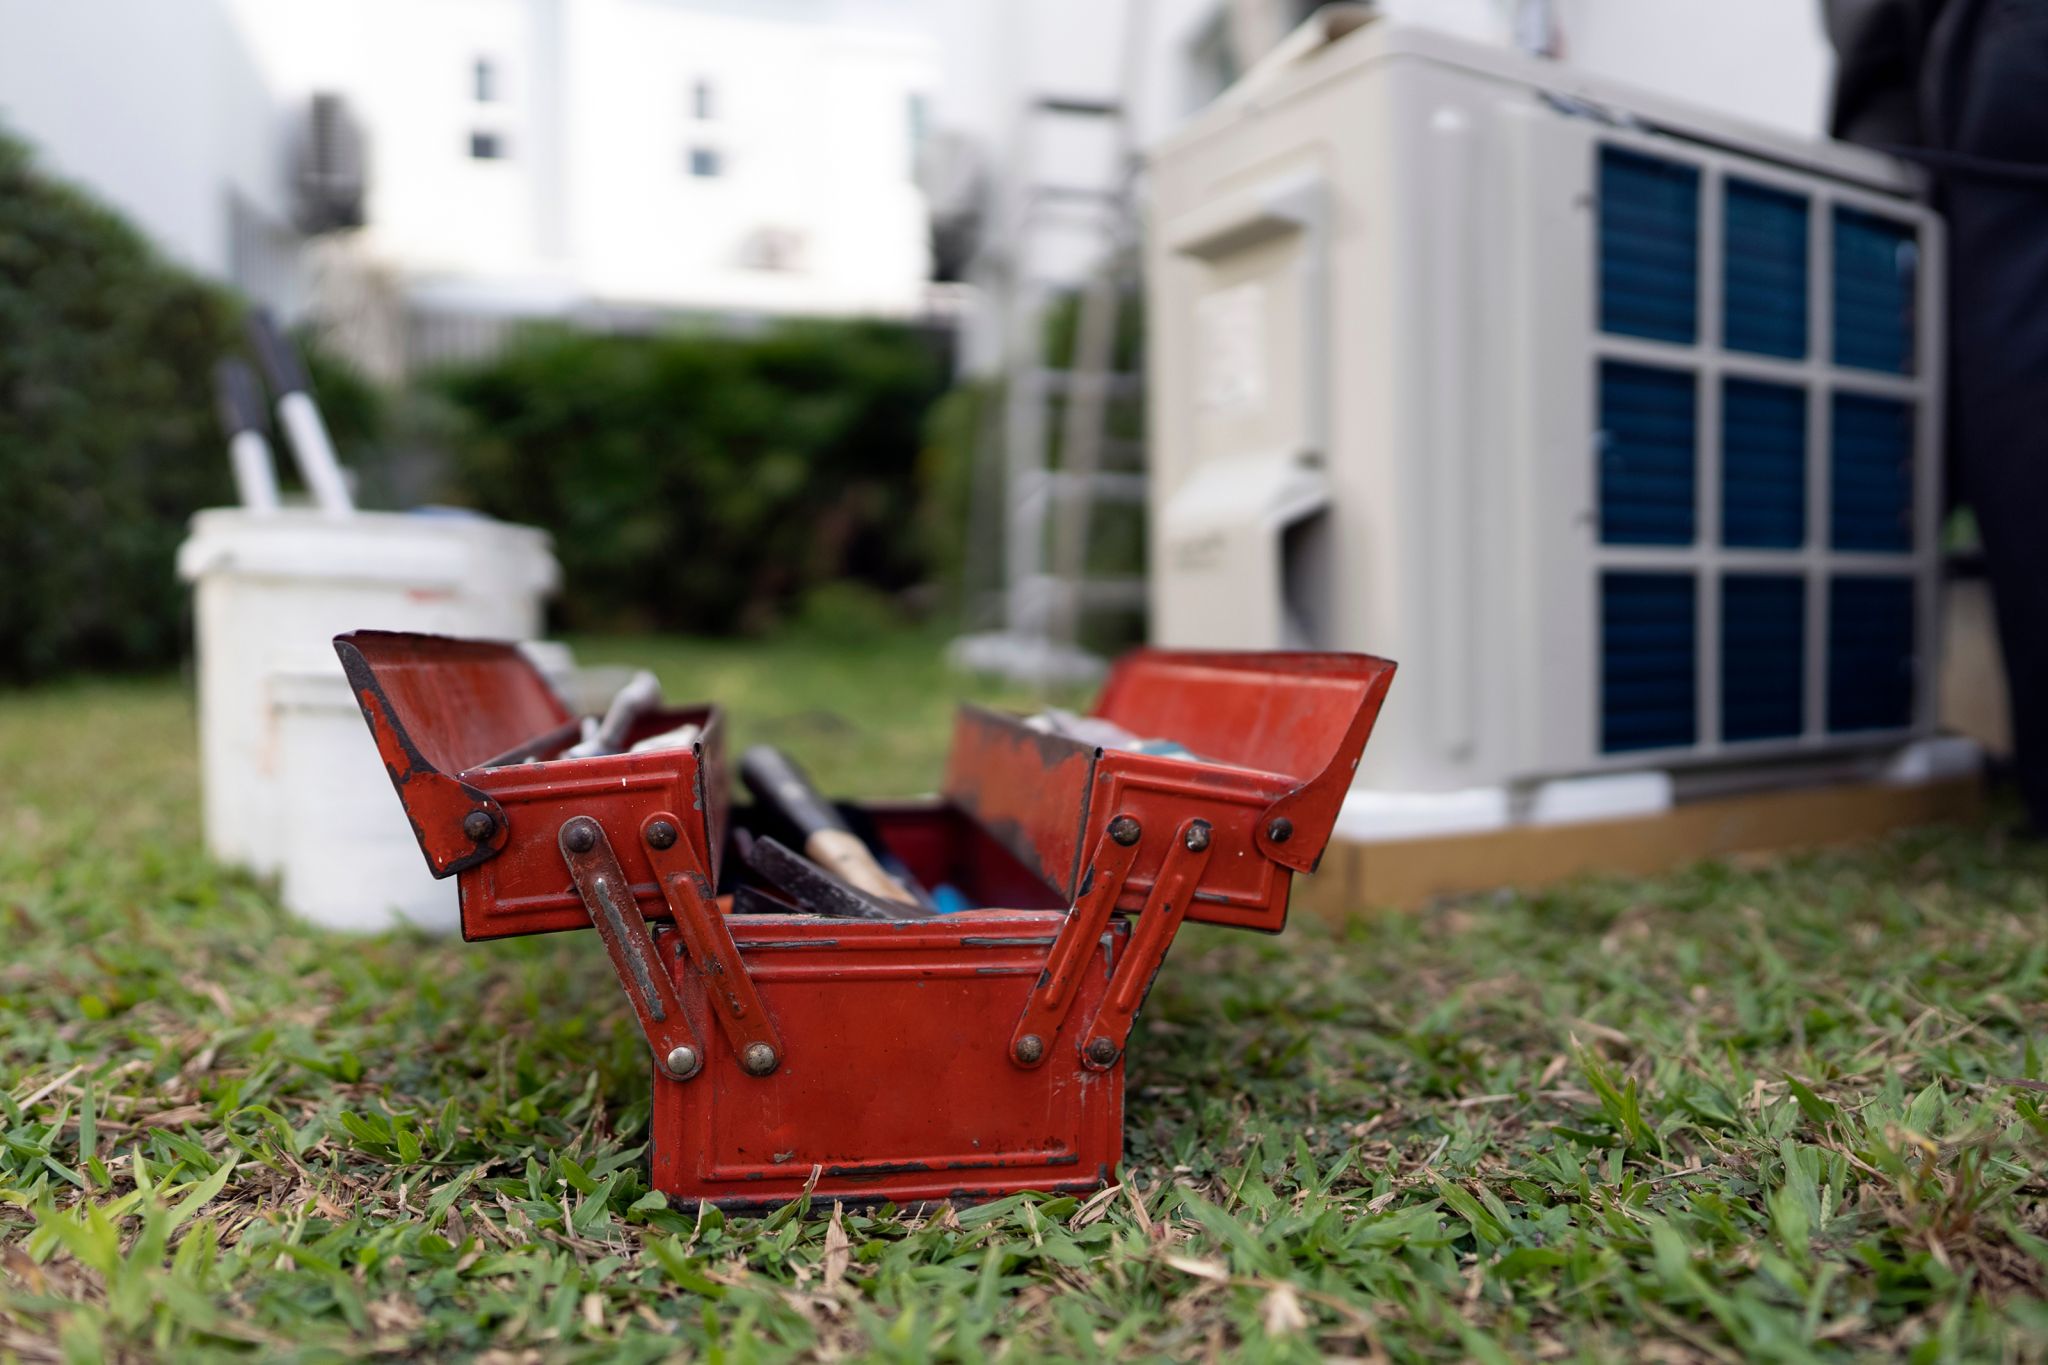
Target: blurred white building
(614,162)
(619,162)
(1765,61)
(159,109)
(1037,180)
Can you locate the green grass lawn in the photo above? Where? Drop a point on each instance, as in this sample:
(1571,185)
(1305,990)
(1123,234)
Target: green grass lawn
(1786,1110)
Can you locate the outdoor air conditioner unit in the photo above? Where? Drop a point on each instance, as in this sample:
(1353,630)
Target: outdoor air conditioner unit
(330,179)
(1613,420)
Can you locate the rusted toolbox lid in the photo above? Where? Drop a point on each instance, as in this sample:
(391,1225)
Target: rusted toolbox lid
(473,738)
(1273,739)
(439,706)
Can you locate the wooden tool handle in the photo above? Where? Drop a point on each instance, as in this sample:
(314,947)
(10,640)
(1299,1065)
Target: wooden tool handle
(777,783)
(842,853)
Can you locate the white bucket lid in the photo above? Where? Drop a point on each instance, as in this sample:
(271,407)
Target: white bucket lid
(427,550)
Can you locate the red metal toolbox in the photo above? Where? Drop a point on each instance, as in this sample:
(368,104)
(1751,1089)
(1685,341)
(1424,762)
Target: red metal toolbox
(964,1056)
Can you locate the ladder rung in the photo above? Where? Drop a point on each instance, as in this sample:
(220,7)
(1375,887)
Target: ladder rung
(1108,485)
(1050,381)
(1079,105)
(1053,193)
(1093,592)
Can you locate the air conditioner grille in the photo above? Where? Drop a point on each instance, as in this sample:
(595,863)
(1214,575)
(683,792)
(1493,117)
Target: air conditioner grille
(1647,455)
(1875,272)
(1870,653)
(1763,465)
(1757,553)
(1648,661)
(1763,282)
(1871,474)
(1649,246)
(1763,656)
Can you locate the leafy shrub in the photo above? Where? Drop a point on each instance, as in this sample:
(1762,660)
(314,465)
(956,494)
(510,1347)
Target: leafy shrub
(108,441)
(965,558)
(704,482)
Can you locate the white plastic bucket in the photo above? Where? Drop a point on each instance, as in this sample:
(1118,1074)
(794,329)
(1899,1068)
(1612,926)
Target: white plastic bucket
(271,591)
(348,858)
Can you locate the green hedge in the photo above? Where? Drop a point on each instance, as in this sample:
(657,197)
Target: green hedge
(691,481)
(704,482)
(108,441)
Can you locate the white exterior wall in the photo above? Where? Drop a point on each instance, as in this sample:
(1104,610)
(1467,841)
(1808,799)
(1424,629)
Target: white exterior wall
(812,125)
(172,110)
(593,204)
(157,108)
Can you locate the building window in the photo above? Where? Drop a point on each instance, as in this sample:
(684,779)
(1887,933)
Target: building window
(918,120)
(1212,63)
(703,99)
(777,249)
(483,77)
(486,147)
(706,163)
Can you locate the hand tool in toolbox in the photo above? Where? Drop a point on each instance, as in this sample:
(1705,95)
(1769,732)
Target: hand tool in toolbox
(959,1056)
(774,781)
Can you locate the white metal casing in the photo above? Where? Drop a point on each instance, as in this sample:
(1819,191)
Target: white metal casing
(1371,280)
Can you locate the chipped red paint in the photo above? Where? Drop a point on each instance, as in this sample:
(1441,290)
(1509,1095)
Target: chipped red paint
(1172,890)
(1278,735)
(701,930)
(968,1056)
(526,890)
(1028,789)
(896,1085)
(1302,714)
(649,987)
(1052,1000)
(447,707)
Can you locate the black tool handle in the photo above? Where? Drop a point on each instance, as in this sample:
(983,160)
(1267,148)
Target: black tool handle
(777,783)
(238,397)
(280,361)
(780,786)
(817,891)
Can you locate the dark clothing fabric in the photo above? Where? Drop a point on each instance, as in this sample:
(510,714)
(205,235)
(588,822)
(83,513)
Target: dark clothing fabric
(1879,47)
(1967,80)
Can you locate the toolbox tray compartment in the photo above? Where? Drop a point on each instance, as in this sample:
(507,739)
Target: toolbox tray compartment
(1277,737)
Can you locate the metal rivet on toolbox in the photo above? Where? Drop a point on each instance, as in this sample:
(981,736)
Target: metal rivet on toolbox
(479,826)
(1281,830)
(1101,1051)
(759,1059)
(1030,1048)
(580,834)
(1198,836)
(683,1063)
(661,834)
(1124,830)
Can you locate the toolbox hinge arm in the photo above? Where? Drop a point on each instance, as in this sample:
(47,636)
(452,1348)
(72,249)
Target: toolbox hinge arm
(1053,997)
(708,946)
(615,913)
(1173,890)
(1045,1014)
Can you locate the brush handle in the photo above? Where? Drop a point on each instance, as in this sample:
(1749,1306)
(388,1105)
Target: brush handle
(300,417)
(778,784)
